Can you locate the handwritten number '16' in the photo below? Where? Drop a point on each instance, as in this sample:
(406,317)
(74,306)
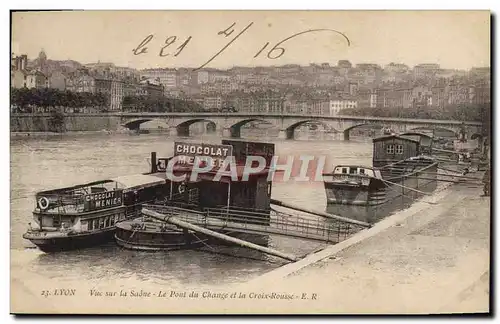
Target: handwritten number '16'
(282,50)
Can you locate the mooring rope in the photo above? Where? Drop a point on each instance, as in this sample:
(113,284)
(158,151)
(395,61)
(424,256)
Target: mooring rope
(206,244)
(393,183)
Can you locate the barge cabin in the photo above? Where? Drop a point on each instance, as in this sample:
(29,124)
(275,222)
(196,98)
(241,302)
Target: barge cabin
(86,214)
(221,188)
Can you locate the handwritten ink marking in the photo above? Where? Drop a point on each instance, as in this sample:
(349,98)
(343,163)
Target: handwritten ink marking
(181,48)
(277,48)
(258,53)
(227,45)
(225,31)
(169,41)
(142,45)
(275,52)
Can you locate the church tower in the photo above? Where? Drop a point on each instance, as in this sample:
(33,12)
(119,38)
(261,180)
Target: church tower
(42,61)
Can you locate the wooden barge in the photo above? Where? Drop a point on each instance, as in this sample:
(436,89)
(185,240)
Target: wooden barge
(210,190)
(400,169)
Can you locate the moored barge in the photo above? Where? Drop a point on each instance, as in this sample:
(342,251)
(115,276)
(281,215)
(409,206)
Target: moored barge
(86,215)
(400,168)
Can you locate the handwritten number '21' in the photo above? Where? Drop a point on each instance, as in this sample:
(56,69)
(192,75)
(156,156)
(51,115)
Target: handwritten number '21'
(274,53)
(141,49)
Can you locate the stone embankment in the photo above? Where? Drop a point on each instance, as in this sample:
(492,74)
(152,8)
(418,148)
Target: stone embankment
(431,258)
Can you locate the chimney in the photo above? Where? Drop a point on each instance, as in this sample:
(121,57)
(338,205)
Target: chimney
(24,61)
(17,63)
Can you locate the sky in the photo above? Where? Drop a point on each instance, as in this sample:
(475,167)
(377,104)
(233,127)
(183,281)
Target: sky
(453,39)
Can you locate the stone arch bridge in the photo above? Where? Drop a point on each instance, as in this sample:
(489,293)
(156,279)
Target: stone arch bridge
(229,124)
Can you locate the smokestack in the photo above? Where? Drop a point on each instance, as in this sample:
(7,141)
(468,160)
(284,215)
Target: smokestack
(154,167)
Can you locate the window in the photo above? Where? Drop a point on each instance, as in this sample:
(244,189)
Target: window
(352,170)
(344,170)
(91,225)
(361,171)
(390,149)
(399,149)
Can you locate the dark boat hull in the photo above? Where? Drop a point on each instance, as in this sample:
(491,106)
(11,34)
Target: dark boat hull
(51,242)
(371,203)
(152,238)
(171,243)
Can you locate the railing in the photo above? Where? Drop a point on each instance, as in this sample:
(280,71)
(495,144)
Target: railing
(262,223)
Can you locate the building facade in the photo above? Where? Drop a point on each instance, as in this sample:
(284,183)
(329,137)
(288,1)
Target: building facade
(57,80)
(166,77)
(338,104)
(36,79)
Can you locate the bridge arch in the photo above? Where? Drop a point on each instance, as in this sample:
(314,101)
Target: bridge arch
(290,130)
(347,131)
(477,136)
(235,129)
(438,130)
(182,128)
(135,124)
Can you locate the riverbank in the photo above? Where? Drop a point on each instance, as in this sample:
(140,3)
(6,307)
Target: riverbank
(52,134)
(430,258)
(17,135)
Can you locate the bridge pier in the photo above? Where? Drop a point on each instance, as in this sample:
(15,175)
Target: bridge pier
(235,132)
(182,130)
(226,132)
(230,132)
(346,135)
(172,131)
(286,134)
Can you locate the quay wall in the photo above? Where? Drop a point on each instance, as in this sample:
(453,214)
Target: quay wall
(67,123)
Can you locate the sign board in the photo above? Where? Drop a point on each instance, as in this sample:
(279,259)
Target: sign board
(103,200)
(242,149)
(187,152)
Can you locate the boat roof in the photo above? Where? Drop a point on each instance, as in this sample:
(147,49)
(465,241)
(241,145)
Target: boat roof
(354,166)
(138,180)
(242,140)
(416,134)
(82,185)
(383,138)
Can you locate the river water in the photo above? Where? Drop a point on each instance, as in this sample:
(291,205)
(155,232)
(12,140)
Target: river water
(58,161)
